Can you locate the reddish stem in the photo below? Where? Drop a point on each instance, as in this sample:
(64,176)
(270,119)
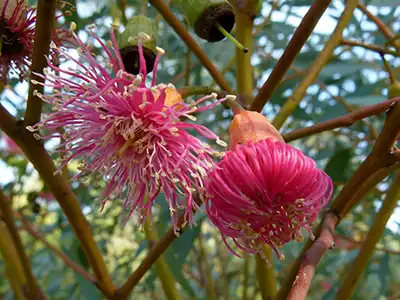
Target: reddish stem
(312,257)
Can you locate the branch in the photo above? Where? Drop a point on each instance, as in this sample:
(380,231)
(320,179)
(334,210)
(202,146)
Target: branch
(154,253)
(297,42)
(246,271)
(342,121)
(312,257)
(381,156)
(44,27)
(387,32)
(377,165)
(244,70)
(187,91)
(191,43)
(68,261)
(38,156)
(265,272)
(375,233)
(33,291)
(313,72)
(372,47)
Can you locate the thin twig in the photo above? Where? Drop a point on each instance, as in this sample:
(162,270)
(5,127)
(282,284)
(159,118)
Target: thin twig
(342,121)
(191,43)
(68,261)
(33,291)
(163,271)
(154,253)
(387,32)
(372,47)
(45,19)
(297,42)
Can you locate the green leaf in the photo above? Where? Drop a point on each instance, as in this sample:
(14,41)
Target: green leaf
(343,68)
(338,165)
(76,253)
(175,266)
(379,3)
(366,100)
(384,272)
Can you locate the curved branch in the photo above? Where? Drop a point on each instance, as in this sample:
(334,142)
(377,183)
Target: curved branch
(387,32)
(372,47)
(59,186)
(68,261)
(154,253)
(33,291)
(342,121)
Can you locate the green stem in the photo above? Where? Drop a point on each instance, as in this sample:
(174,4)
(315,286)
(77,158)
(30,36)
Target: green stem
(210,289)
(33,289)
(246,267)
(265,274)
(14,268)
(244,73)
(232,39)
(162,269)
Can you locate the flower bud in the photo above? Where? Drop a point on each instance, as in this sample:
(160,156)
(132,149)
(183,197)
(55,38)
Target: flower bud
(251,126)
(143,28)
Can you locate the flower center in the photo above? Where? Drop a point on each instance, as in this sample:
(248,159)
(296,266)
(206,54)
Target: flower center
(10,40)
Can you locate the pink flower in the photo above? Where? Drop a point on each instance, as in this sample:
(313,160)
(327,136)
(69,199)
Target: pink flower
(129,132)
(19,30)
(19,23)
(264,190)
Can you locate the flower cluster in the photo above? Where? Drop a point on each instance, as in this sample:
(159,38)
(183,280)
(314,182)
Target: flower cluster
(264,190)
(132,133)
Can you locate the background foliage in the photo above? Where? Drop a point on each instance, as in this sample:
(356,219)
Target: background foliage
(198,260)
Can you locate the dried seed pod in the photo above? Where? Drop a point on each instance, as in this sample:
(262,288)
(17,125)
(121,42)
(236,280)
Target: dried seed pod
(128,44)
(205,15)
